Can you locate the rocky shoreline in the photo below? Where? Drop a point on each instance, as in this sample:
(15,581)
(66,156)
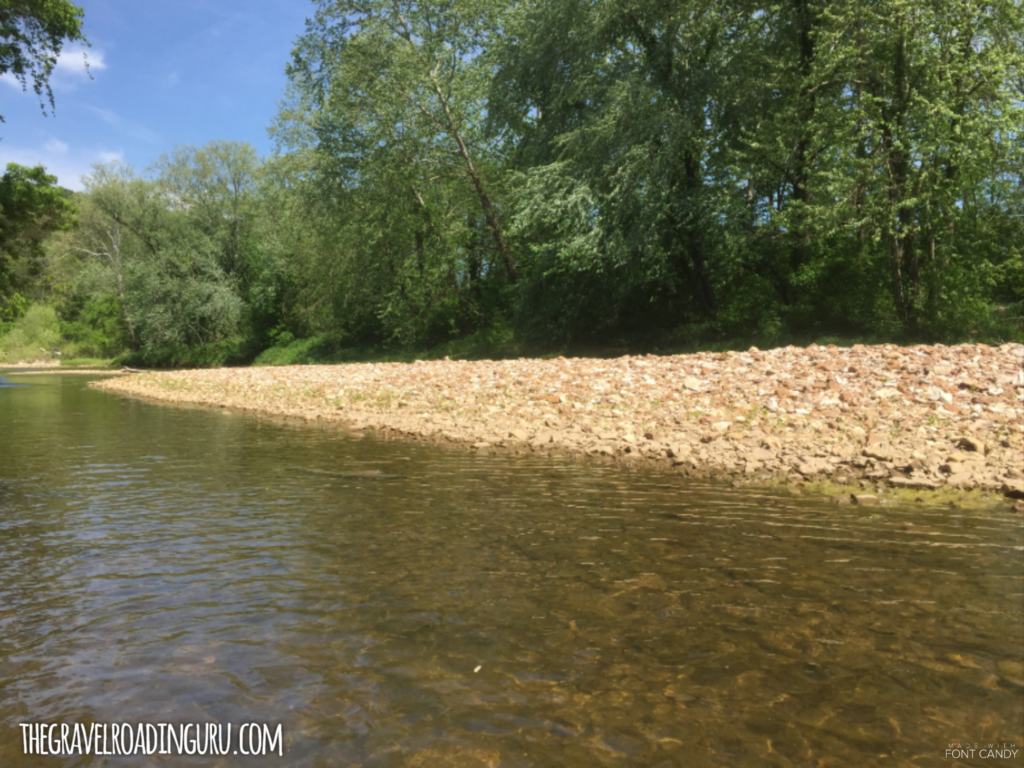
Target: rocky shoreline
(871,419)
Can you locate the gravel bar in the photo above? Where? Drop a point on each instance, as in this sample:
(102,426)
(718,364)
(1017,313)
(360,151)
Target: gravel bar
(871,418)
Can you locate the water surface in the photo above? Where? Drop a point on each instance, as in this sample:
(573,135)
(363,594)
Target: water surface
(391,604)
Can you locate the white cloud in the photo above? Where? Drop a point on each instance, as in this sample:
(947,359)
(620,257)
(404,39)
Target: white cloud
(69,73)
(59,160)
(73,63)
(71,70)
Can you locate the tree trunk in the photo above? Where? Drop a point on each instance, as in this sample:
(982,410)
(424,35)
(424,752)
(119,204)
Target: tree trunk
(511,270)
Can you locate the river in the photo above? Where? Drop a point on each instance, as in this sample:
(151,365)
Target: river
(392,604)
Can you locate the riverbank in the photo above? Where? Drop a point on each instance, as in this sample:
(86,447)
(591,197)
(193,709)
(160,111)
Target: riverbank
(83,366)
(52,369)
(874,419)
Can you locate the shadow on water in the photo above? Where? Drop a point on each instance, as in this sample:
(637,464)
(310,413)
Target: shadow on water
(164,565)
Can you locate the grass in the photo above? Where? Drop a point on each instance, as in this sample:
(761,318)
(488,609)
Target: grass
(492,344)
(499,343)
(88,362)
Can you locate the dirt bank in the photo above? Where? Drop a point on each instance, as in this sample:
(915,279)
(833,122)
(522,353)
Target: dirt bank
(876,418)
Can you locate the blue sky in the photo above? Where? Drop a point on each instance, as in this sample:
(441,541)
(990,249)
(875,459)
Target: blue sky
(164,74)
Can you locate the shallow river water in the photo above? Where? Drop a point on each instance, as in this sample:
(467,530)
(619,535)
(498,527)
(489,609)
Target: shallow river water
(392,604)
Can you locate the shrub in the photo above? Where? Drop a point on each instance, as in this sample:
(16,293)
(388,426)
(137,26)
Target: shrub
(32,337)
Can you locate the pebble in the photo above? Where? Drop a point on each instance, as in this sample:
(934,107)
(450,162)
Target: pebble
(788,414)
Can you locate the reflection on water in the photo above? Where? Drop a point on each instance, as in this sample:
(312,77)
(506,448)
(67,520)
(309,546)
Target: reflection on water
(394,605)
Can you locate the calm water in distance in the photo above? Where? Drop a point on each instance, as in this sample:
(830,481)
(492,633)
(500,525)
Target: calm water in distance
(390,604)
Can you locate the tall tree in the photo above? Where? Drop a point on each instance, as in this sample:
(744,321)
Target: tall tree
(934,118)
(393,97)
(622,101)
(32,207)
(215,184)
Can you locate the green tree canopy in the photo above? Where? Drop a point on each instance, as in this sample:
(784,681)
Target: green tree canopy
(32,207)
(32,33)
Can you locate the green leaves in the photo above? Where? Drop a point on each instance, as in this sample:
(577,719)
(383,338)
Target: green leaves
(388,103)
(32,33)
(32,208)
(623,170)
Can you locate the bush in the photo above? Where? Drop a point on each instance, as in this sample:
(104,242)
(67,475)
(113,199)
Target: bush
(32,337)
(98,331)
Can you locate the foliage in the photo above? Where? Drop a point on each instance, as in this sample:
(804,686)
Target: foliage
(179,297)
(483,178)
(769,168)
(33,33)
(33,336)
(387,106)
(97,331)
(32,207)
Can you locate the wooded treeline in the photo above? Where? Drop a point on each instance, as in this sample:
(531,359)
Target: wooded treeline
(618,172)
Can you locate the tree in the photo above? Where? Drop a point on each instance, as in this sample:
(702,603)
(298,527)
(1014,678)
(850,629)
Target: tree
(32,207)
(392,99)
(936,116)
(155,263)
(32,33)
(103,234)
(214,185)
(615,108)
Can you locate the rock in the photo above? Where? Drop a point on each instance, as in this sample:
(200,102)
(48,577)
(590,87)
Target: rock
(540,441)
(1013,488)
(864,499)
(969,443)
(913,482)
(874,438)
(961,480)
(879,452)
(841,500)
(680,400)
(812,467)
